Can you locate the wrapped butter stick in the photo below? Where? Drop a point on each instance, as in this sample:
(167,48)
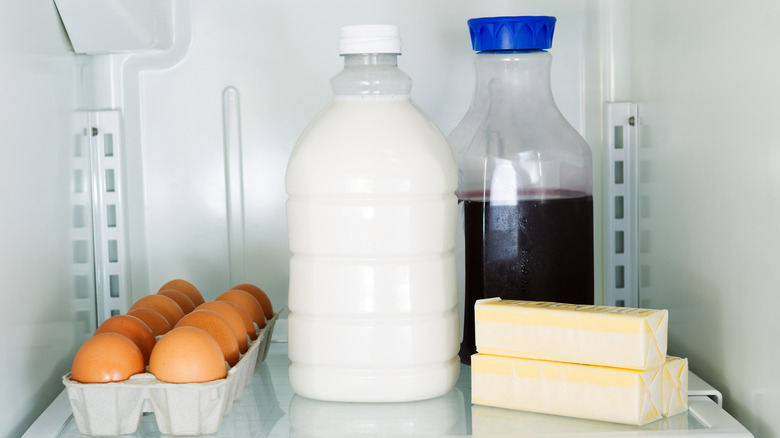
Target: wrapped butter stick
(596,335)
(675,374)
(584,391)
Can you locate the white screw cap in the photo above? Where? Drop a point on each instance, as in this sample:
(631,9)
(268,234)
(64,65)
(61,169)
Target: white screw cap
(370,38)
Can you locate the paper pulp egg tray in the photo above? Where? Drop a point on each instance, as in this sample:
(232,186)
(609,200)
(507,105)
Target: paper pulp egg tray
(107,409)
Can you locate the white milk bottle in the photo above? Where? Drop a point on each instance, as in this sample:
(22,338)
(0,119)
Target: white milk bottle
(371,218)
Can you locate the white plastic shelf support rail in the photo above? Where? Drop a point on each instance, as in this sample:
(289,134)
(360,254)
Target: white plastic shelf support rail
(621,284)
(82,238)
(112,267)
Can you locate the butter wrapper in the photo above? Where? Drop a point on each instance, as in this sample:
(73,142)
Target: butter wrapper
(596,335)
(616,395)
(675,374)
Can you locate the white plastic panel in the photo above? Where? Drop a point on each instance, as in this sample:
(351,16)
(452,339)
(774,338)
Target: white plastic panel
(705,76)
(45,312)
(104,26)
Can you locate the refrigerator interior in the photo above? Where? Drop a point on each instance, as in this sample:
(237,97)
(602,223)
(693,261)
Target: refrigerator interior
(195,106)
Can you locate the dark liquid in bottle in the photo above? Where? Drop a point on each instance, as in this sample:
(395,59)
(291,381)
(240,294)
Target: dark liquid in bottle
(540,250)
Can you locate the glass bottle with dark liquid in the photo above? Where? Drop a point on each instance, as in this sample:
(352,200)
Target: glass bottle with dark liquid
(525,177)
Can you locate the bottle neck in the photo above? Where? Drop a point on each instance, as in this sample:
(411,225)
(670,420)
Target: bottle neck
(371,74)
(513,80)
(370,59)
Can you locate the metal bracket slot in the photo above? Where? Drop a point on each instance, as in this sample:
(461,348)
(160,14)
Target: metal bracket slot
(621,286)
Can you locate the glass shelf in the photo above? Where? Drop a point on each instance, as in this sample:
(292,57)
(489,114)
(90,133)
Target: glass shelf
(270,408)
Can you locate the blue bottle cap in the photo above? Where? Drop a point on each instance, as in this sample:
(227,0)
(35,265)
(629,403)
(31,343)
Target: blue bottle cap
(511,33)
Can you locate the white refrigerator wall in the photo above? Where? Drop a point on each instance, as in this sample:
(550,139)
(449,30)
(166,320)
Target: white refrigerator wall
(44,311)
(266,66)
(243,75)
(705,74)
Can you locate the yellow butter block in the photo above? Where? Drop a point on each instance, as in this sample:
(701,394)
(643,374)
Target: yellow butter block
(597,335)
(675,374)
(584,391)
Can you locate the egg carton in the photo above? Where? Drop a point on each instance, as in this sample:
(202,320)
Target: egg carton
(107,409)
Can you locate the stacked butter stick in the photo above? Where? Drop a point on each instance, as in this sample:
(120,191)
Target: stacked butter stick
(595,362)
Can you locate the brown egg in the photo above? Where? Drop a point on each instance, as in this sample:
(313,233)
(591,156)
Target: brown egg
(153,319)
(233,318)
(107,357)
(260,296)
(166,306)
(248,324)
(251,306)
(181,299)
(132,328)
(214,324)
(187,355)
(187,288)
